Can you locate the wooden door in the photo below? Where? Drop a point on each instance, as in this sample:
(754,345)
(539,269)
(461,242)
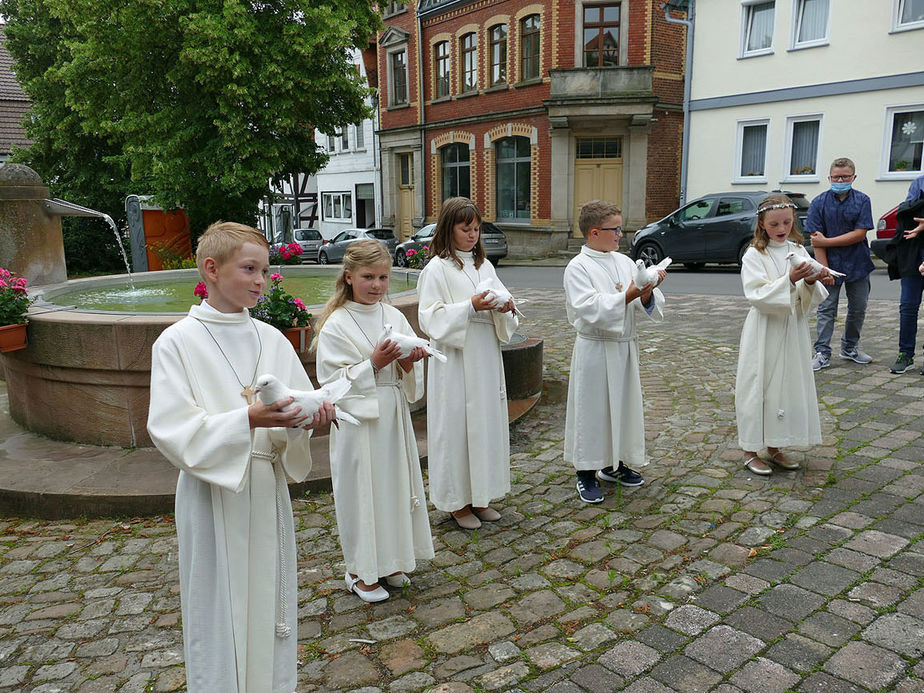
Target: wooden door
(596,179)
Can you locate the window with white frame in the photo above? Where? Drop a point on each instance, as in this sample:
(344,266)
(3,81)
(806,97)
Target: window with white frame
(338,206)
(757,27)
(904,140)
(468,51)
(344,139)
(397,73)
(907,14)
(331,144)
(803,134)
(751,151)
(359,139)
(810,23)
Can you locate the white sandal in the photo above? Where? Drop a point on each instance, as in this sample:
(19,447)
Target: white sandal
(379,594)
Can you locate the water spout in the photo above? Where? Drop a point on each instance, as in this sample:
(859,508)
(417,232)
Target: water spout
(64,208)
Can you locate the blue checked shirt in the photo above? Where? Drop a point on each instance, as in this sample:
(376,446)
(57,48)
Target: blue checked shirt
(916,190)
(834,217)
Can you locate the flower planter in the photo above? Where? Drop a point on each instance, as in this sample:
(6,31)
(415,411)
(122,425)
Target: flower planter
(298,336)
(13,337)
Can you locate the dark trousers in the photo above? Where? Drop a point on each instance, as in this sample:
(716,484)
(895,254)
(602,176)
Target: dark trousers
(912,288)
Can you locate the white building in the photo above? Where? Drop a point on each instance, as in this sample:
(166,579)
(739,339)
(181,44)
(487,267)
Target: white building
(348,187)
(780,89)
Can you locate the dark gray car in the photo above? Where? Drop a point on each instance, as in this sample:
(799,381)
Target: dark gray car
(493,239)
(333,250)
(713,228)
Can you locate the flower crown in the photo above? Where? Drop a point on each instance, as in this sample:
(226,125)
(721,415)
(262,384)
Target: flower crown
(779,205)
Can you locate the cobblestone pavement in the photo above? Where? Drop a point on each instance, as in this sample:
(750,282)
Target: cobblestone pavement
(705,578)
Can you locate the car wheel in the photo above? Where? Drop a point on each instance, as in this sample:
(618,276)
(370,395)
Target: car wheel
(650,253)
(401,259)
(742,251)
(694,265)
(322,259)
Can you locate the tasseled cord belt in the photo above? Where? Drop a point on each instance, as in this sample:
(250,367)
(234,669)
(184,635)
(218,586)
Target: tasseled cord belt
(283,629)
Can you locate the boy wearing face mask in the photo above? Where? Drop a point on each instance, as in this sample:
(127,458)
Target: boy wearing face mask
(838,220)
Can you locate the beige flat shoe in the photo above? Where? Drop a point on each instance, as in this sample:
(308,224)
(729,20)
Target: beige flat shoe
(780,460)
(466,521)
(755,465)
(486,514)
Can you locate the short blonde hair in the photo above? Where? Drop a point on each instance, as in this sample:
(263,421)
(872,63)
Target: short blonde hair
(224,238)
(594,213)
(842,162)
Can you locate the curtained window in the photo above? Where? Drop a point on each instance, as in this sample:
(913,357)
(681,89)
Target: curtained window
(910,14)
(811,21)
(753,149)
(906,140)
(803,153)
(758,27)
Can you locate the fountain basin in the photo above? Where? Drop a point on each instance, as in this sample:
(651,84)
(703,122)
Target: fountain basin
(85,376)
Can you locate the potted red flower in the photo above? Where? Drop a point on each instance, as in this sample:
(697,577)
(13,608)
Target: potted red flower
(14,305)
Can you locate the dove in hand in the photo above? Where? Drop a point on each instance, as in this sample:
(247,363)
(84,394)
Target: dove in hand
(409,342)
(796,260)
(269,390)
(648,275)
(498,294)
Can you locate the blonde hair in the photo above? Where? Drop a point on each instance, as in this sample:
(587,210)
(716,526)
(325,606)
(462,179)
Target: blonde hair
(455,210)
(224,238)
(365,253)
(594,213)
(842,162)
(769,203)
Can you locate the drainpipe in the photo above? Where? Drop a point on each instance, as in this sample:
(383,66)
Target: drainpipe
(688,75)
(423,120)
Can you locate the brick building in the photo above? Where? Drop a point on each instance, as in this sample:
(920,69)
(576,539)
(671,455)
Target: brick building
(530,109)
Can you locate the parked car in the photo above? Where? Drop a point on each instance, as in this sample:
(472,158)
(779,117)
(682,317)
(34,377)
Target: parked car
(494,240)
(310,241)
(712,228)
(333,250)
(885,230)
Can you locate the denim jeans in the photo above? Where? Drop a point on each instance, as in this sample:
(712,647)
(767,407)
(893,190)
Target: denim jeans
(912,287)
(857,296)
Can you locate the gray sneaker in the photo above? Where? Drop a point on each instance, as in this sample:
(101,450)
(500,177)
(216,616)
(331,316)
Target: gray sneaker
(820,361)
(856,354)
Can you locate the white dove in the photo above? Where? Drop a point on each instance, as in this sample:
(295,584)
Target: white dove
(408,342)
(499,294)
(270,390)
(796,260)
(648,275)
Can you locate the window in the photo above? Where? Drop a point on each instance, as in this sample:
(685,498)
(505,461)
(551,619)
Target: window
(468,50)
(331,144)
(405,172)
(344,139)
(810,25)
(529,47)
(398,70)
(752,151)
(696,210)
(338,206)
(732,205)
(498,54)
(359,137)
(601,35)
(802,144)
(455,165)
(757,28)
(599,148)
(904,139)
(394,7)
(441,72)
(909,14)
(513,167)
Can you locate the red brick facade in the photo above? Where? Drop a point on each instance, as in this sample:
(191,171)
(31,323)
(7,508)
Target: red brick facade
(521,107)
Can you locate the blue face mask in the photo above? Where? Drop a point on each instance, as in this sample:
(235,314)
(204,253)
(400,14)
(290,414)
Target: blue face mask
(839,188)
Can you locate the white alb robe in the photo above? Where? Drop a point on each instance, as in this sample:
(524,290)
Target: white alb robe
(233,515)
(467,426)
(605,421)
(375,468)
(775,400)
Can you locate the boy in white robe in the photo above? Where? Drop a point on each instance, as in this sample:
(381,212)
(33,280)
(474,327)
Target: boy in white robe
(233,514)
(604,422)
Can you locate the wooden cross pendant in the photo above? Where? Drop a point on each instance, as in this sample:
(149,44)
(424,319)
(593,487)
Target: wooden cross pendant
(248,394)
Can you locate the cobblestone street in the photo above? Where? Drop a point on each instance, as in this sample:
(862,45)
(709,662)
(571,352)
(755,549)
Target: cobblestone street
(706,578)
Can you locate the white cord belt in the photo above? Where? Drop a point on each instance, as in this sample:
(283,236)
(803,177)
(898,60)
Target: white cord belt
(283,629)
(606,338)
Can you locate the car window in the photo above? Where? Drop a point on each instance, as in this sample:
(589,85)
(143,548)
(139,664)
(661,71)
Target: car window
(697,210)
(490,230)
(425,232)
(732,205)
(307,235)
(382,234)
(342,236)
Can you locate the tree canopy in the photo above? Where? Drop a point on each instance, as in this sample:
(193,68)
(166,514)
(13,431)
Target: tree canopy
(198,102)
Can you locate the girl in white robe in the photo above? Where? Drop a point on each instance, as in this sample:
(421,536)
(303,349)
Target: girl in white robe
(467,428)
(775,400)
(375,468)
(233,515)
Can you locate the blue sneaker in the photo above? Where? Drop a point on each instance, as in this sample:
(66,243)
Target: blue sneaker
(820,361)
(588,491)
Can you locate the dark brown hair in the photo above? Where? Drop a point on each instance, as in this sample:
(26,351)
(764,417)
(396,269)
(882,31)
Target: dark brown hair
(455,210)
(778,201)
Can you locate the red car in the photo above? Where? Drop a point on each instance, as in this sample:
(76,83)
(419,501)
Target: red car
(885,230)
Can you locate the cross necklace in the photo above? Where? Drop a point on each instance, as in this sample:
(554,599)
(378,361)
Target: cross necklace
(247,391)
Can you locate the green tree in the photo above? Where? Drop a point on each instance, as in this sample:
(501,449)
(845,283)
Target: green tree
(200,102)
